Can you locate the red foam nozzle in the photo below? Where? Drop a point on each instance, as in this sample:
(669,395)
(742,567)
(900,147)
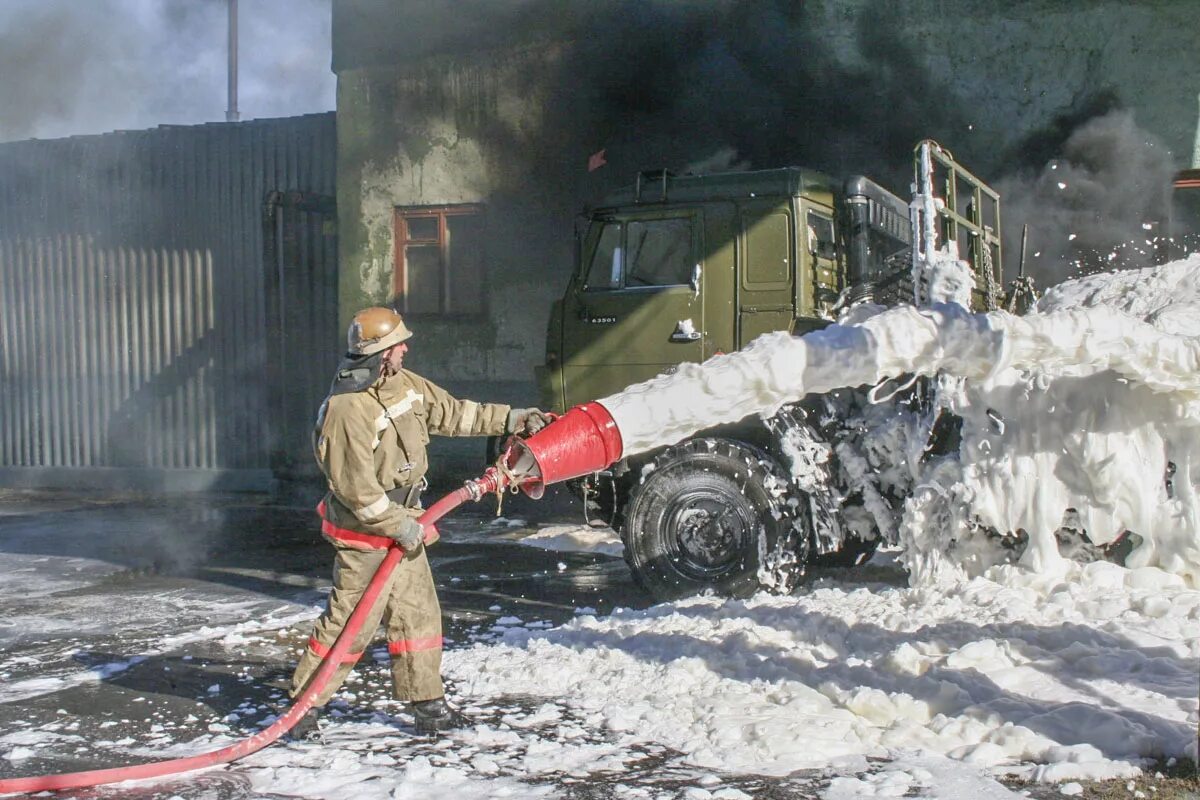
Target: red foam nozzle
(581,441)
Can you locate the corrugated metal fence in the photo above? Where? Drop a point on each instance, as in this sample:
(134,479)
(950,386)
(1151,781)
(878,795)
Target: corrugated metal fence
(141,297)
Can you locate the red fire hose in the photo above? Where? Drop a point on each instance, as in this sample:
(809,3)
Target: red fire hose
(583,440)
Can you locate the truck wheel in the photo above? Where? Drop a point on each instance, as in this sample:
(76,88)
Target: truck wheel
(702,516)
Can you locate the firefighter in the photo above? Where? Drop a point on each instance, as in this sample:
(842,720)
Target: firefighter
(369,440)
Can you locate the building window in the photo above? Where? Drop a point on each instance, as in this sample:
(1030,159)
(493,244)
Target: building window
(439,260)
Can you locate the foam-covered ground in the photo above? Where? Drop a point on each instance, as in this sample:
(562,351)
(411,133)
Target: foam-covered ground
(1086,412)
(848,689)
(1078,676)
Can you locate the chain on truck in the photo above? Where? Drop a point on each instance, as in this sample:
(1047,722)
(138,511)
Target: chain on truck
(681,268)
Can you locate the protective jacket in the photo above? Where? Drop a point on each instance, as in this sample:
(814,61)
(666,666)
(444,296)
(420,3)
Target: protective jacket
(370,441)
(371,446)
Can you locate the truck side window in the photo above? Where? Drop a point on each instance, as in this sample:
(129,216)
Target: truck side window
(605,270)
(660,252)
(821,241)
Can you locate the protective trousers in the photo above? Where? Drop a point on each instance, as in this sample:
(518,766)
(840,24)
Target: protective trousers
(407,607)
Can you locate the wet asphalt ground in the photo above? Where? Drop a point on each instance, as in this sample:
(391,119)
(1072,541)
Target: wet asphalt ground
(131,624)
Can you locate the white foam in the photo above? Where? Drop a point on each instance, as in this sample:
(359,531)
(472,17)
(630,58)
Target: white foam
(1011,673)
(575,538)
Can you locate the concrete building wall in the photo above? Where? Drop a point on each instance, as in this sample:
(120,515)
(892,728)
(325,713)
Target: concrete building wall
(438,134)
(1014,67)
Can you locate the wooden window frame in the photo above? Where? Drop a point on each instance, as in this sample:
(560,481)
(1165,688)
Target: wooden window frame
(400,262)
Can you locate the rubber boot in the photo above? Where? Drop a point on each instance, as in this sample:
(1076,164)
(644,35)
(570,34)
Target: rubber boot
(307,728)
(431,717)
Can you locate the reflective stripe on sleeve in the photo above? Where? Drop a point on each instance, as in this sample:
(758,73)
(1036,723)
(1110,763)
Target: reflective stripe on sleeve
(470,410)
(373,510)
(414,645)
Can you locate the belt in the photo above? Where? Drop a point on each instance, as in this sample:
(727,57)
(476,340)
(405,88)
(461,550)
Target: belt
(408,496)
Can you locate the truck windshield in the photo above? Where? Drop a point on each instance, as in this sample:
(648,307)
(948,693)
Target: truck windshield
(656,252)
(605,269)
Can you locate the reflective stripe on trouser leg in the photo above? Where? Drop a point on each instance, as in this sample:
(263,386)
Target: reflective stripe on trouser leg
(414,631)
(353,569)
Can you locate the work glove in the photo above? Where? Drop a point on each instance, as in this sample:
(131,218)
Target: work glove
(526,421)
(410,534)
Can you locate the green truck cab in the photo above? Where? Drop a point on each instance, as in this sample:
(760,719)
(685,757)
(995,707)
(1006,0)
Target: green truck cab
(680,268)
(677,269)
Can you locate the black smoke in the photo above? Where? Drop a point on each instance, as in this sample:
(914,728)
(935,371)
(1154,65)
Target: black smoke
(705,86)
(1099,201)
(695,86)
(757,85)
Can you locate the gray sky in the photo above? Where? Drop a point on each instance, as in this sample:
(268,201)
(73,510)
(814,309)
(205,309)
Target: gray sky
(89,66)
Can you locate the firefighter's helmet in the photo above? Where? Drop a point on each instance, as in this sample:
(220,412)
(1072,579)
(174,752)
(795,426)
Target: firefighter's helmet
(374,330)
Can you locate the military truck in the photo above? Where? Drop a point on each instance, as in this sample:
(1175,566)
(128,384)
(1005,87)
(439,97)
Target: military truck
(679,268)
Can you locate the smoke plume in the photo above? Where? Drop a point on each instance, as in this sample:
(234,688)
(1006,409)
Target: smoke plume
(687,85)
(696,86)
(1101,204)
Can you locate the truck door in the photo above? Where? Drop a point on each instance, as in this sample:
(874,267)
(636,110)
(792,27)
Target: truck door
(765,271)
(635,308)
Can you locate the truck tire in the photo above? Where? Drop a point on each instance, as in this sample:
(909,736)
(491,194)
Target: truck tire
(702,517)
